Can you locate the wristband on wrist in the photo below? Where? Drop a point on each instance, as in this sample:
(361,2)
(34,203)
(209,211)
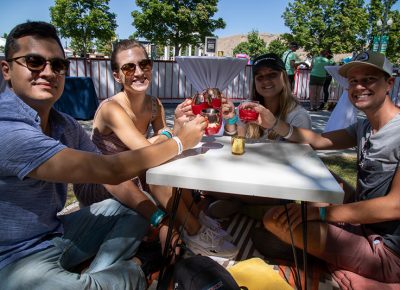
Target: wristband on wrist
(166,133)
(157,217)
(289,134)
(179,143)
(322,214)
(233,120)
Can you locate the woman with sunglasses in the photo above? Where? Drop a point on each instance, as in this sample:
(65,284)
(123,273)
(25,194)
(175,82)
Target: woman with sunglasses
(122,123)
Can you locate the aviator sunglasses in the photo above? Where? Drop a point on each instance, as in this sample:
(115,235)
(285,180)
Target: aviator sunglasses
(37,63)
(129,69)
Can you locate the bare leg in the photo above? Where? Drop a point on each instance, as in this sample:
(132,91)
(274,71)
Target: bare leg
(316,235)
(312,96)
(317,97)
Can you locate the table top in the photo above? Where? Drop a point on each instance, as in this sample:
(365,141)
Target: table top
(266,169)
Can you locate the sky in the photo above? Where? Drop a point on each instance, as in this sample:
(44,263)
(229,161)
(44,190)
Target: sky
(240,17)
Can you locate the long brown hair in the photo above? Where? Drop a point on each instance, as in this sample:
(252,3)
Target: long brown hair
(287,102)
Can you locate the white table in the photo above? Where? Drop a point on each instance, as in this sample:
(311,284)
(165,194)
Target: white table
(271,169)
(275,169)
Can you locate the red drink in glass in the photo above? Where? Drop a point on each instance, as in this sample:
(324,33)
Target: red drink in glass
(213,121)
(200,102)
(196,109)
(212,128)
(247,113)
(216,103)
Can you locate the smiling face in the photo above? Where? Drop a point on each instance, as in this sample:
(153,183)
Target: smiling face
(140,80)
(39,89)
(368,87)
(268,82)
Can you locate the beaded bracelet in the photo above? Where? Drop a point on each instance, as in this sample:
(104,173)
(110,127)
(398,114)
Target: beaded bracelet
(322,213)
(157,217)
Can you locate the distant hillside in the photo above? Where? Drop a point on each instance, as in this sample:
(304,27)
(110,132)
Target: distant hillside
(228,43)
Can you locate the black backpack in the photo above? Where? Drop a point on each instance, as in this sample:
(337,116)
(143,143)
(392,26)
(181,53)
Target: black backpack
(202,273)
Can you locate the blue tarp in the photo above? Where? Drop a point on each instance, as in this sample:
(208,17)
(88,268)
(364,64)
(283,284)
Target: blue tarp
(79,98)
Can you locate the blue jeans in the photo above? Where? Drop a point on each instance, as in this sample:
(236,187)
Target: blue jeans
(106,231)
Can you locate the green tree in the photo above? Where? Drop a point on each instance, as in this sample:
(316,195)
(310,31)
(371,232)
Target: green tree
(83,21)
(277,46)
(178,23)
(340,25)
(253,47)
(377,9)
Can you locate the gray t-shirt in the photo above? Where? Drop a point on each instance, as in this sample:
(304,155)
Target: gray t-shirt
(298,117)
(28,207)
(378,160)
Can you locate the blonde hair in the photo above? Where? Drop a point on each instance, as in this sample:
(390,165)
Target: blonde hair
(287,102)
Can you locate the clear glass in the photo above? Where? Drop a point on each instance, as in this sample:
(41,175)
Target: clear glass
(200,101)
(213,117)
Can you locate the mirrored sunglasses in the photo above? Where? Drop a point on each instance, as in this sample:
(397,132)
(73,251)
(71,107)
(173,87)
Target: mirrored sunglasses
(37,63)
(129,69)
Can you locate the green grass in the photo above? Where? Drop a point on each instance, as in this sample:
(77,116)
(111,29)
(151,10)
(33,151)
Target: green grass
(70,196)
(343,166)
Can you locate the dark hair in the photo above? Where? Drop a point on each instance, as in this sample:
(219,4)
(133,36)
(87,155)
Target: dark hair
(124,45)
(37,29)
(294,44)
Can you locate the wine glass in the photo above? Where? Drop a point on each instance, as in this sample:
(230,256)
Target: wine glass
(247,113)
(213,117)
(215,96)
(200,101)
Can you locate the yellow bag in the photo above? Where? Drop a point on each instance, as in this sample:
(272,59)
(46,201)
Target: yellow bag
(255,274)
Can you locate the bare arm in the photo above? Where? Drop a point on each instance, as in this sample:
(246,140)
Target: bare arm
(130,195)
(376,210)
(76,166)
(159,122)
(380,209)
(339,139)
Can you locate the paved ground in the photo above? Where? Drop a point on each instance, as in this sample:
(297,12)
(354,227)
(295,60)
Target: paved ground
(319,120)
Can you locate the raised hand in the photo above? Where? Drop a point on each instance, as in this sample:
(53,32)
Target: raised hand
(227,108)
(265,118)
(191,132)
(183,114)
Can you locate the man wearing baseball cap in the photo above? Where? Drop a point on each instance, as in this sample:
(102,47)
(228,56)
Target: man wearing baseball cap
(360,239)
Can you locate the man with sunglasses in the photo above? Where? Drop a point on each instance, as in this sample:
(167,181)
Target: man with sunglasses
(360,239)
(42,150)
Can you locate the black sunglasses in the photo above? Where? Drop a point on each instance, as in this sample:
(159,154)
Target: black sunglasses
(37,63)
(129,69)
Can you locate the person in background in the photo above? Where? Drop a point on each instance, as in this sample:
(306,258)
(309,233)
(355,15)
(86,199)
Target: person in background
(291,61)
(360,239)
(328,79)
(122,123)
(271,88)
(317,79)
(42,151)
